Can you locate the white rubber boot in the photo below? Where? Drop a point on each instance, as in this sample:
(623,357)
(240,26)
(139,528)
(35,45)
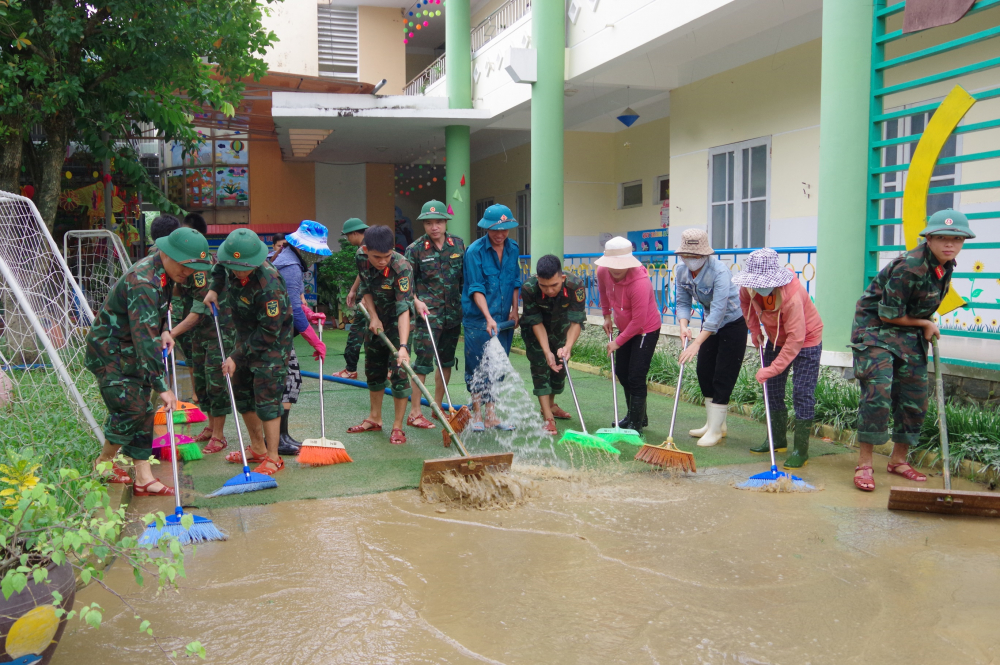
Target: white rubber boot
(700,432)
(716,425)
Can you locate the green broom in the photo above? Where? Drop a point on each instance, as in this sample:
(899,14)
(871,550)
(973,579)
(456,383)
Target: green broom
(188,452)
(616,433)
(583,438)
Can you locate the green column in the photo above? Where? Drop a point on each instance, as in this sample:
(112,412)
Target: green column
(843,166)
(548,38)
(458,78)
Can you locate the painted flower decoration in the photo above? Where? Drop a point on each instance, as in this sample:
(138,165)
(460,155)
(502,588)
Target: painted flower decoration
(979,320)
(977,266)
(993,322)
(19,477)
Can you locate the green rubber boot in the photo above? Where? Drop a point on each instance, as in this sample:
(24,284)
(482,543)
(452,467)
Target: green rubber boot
(800,453)
(779,427)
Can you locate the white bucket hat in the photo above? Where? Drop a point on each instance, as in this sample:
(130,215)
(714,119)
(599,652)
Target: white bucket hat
(762,271)
(618,254)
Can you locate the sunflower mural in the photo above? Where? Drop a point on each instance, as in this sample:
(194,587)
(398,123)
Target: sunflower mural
(978,286)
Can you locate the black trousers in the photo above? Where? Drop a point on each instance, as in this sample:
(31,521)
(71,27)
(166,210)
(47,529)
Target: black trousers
(719,360)
(632,363)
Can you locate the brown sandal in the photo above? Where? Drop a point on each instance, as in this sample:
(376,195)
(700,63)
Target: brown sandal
(235,457)
(215,445)
(398,437)
(861,481)
(910,473)
(345,374)
(420,422)
(206,435)
(143,490)
(357,429)
(560,413)
(550,427)
(269,467)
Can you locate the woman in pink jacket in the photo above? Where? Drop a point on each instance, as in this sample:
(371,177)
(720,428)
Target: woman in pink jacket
(625,288)
(772,296)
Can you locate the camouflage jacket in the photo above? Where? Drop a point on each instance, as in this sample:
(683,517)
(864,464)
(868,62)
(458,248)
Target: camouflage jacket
(911,285)
(361,261)
(261,314)
(556,314)
(391,288)
(437,278)
(127,329)
(192,296)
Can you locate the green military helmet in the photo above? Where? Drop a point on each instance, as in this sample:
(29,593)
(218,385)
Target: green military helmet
(497,218)
(242,250)
(434,210)
(352,225)
(948,222)
(187,247)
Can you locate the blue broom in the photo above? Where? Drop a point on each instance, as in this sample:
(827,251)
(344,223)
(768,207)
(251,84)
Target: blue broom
(200,530)
(771,478)
(247,481)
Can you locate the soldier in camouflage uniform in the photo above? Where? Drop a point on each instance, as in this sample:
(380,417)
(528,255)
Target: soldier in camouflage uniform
(124,351)
(258,363)
(354,230)
(889,339)
(554,313)
(387,294)
(436,259)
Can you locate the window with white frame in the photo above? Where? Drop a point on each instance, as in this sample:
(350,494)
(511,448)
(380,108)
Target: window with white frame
(630,194)
(739,194)
(523,217)
(944,175)
(662,188)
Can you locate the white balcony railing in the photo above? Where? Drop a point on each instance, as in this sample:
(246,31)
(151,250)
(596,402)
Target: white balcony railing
(433,73)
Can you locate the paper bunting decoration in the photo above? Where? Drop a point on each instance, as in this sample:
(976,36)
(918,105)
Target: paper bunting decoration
(463,181)
(450,211)
(457,195)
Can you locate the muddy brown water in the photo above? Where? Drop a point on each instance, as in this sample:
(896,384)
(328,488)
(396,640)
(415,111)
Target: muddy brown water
(598,569)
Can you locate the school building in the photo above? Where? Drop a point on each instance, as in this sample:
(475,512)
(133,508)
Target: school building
(768,123)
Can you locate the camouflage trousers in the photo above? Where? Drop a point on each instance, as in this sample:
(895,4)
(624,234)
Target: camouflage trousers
(130,412)
(545,381)
(209,382)
(379,362)
(889,386)
(354,339)
(423,352)
(259,389)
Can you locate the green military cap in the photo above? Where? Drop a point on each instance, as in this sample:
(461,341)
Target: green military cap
(497,218)
(242,250)
(352,225)
(948,222)
(434,210)
(187,247)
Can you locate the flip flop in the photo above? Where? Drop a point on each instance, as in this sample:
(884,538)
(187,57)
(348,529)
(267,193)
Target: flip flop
(503,427)
(478,427)
(357,429)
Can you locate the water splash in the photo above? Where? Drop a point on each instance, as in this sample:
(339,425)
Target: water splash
(498,382)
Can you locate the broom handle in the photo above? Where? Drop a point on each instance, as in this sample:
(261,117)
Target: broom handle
(614,388)
(232,397)
(579,414)
(942,421)
(423,389)
(444,381)
(767,406)
(677,396)
(170,429)
(173,363)
(322,412)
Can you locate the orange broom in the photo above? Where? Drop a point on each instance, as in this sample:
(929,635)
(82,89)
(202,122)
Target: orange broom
(667,454)
(322,451)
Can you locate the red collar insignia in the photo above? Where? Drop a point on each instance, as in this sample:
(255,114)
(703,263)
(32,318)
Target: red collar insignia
(427,244)
(451,242)
(385,273)
(565,294)
(244,281)
(939,271)
(163,280)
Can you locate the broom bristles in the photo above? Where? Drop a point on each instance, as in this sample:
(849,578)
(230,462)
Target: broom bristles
(588,441)
(184,414)
(322,452)
(666,455)
(622,437)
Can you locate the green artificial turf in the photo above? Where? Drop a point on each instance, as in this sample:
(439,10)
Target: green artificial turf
(379,466)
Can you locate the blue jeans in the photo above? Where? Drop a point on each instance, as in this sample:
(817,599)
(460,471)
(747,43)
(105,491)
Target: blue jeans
(475,342)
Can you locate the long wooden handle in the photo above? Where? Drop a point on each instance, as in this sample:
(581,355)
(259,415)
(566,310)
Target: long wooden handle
(423,389)
(942,421)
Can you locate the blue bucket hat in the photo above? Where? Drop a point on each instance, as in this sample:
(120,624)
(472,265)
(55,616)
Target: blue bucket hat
(497,218)
(310,237)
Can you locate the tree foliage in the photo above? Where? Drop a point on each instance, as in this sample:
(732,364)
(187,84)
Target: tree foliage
(78,69)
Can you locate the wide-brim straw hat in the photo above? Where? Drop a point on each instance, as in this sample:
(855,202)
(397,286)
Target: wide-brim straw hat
(695,241)
(763,271)
(618,254)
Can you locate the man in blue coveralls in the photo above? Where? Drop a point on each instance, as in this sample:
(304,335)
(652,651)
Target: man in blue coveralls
(489,298)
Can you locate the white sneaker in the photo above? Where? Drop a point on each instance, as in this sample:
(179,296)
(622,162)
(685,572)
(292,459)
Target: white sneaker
(716,425)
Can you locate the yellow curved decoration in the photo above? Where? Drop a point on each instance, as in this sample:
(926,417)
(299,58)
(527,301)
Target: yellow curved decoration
(918,178)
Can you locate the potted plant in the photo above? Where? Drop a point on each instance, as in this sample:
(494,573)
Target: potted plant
(336,276)
(57,530)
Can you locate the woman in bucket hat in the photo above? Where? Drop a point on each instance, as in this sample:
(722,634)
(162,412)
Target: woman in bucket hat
(722,342)
(772,296)
(625,289)
(892,329)
(306,246)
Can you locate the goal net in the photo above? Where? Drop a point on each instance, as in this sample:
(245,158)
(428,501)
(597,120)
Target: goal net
(44,319)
